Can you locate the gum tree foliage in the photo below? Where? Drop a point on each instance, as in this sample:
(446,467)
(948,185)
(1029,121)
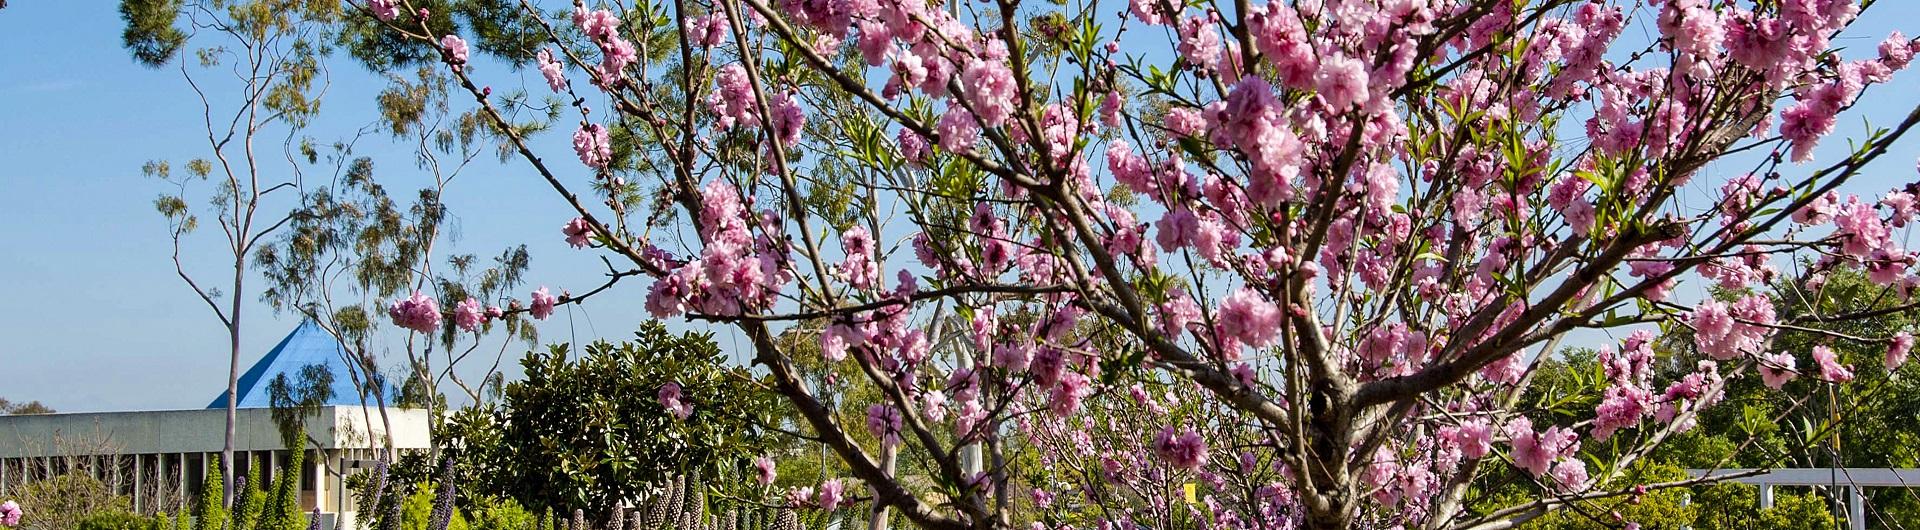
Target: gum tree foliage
(1252,264)
(255,66)
(340,248)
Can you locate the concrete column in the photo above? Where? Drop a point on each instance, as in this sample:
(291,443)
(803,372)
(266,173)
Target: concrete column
(181,486)
(1856,509)
(3,477)
(1766,496)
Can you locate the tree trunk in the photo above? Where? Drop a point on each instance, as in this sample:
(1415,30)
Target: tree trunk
(889,455)
(233,382)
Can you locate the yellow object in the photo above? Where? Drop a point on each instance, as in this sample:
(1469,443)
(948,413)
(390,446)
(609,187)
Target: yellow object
(1191,493)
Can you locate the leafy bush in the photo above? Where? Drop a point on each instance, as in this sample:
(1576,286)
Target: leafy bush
(249,500)
(282,510)
(60,503)
(120,520)
(210,510)
(619,440)
(417,512)
(501,514)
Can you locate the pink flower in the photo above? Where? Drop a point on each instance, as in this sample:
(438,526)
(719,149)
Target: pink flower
(859,270)
(1570,475)
(1111,108)
(418,312)
(1186,449)
(933,405)
(788,119)
(1200,42)
(1474,438)
(615,54)
(594,145)
(1777,368)
(837,339)
(1152,13)
(1342,82)
(732,98)
(1725,332)
(577,231)
(467,314)
(1830,368)
(1534,452)
(551,69)
(1183,121)
(1580,216)
(764,471)
(598,24)
(456,50)
(386,11)
(671,399)
(957,130)
(989,86)
(1896,52)
(707,31)
(832,493)
(1902,344)
(542,304)
(10,513)
(1072,388)
(913,147)
(1623,406)
(1247,316)
(1859,222)
(883,422)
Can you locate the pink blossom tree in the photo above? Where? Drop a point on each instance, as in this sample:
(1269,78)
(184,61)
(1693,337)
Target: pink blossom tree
(1303,255)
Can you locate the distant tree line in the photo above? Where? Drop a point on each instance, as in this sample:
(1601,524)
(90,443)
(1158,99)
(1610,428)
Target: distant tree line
(10,408)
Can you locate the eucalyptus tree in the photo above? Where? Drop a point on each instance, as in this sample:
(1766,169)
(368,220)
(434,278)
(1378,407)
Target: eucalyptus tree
(257,68)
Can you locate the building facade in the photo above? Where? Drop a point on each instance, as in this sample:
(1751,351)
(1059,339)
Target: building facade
(160,459)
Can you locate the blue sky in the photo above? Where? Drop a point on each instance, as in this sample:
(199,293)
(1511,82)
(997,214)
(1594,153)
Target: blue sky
(97,321)
(103,323)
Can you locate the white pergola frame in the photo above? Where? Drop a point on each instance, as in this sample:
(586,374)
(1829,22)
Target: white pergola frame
(1851,478)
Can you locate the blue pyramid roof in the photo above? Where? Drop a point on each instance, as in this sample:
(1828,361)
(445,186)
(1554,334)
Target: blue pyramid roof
(307,345)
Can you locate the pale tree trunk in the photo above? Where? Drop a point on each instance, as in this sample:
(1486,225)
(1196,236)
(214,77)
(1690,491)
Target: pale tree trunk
(888,456)
(233,382)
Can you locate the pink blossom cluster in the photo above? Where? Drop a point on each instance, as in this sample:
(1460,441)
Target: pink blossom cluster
(1726,331)
(542,304)
(578,232)
(10,513)
(456,49)
(418,312)
(832,494)
(616,53)
(385,10)
(707,30)
(594,145)
(738,270)
(468,314)
(764,471)
(551,70)
(670,398)
(1629,397)
(1549,453)
(1182,449)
